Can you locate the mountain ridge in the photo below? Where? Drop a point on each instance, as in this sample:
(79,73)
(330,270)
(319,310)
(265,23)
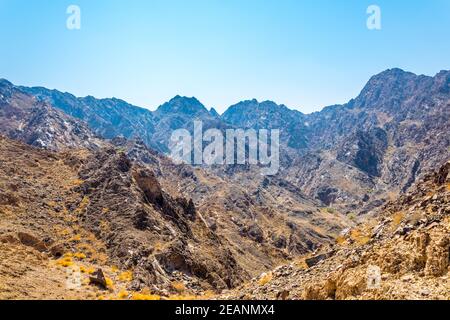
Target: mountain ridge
(383,139)
(396,70)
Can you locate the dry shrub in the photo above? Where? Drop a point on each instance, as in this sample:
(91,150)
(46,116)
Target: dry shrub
(65,261)
(265,279)
(80,255)
(359,237)
(123,294)
(178,286)
(126,276)
(142,296)
(397,218)
(340,240)
(109,283)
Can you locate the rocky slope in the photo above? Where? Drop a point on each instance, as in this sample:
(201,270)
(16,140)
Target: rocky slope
(374,148)
(403,254)
(131,205)
(37,123)
(104,211)
(108,118)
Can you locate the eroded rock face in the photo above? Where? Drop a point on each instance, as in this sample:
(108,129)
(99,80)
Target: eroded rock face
(443,175)
(394,130)
(438,257)
(403,254)
(365,150)
(151,232)
(37,123)
(147,182)
(349,157)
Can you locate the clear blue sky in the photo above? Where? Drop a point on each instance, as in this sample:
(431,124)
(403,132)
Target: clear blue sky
(306,54)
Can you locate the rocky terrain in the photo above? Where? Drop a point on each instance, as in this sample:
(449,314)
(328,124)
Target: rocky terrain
(365,152)
(103,211)
(87,191)
(403,254)
(24,118)
(101,206)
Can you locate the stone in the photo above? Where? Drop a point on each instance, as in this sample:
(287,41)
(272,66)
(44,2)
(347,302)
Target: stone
(98,278)
(31,241)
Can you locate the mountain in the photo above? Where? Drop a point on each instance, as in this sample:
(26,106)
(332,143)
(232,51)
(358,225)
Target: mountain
(24,118)
(108,118)
(96,210)
(269,115)
(214,113)
(403,254)
(99,192)
(366,151)
(145,213)
(375,147)
(180,113)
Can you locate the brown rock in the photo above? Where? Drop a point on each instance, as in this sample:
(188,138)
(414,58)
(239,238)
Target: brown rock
(442,176)
(283,295)
(98,278)
(31,241)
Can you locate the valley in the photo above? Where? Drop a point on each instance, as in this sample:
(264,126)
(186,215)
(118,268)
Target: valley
(87,190)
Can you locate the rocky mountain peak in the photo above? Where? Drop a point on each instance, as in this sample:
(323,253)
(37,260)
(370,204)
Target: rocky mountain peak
(183,105)
(388,88)
(5,83)
(214,113)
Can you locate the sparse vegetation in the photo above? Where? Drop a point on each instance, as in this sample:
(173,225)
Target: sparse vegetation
(359,237)
(178,286)
(329,210)
(80,255)
(65,261)
(109,283)
(82,206)
(77,182)
(265,278)
(397,218)
(340,240)
(141,296)
(126,276)
(123,294)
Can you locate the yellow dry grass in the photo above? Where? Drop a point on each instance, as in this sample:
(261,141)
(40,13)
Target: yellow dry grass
(178,286)
(265,279)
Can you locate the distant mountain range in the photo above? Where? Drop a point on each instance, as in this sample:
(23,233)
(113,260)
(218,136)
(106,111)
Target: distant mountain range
(375,145)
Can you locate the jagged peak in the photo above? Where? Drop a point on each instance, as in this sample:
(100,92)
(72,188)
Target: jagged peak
(182,104)
(214,112)
(256,105)
(179,98)
(5,82)
(394,73)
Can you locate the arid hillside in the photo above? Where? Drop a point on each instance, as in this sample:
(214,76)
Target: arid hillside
(403,254)
(87,210)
